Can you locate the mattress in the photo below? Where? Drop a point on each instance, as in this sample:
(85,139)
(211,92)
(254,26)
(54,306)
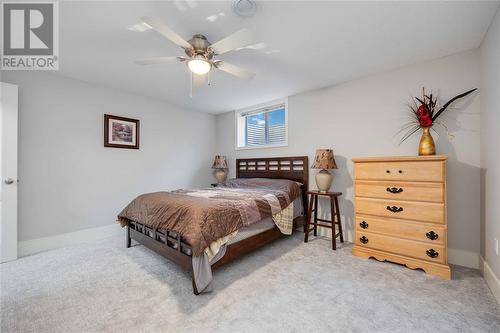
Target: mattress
(265,224)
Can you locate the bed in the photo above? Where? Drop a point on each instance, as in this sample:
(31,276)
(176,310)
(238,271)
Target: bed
(176,248)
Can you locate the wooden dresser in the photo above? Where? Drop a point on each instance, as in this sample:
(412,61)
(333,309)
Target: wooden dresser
(400,211)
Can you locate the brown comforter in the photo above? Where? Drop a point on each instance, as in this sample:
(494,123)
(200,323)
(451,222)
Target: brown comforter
(203,216)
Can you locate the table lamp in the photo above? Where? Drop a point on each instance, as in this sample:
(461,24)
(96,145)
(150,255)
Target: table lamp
(220,166)
(324,160)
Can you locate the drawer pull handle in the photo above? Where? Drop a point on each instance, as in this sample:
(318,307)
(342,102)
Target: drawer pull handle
(394,209)
(363,225)
(394,190)
(432,235)
(432,253)
(387,171)
(363,240)
(400,171)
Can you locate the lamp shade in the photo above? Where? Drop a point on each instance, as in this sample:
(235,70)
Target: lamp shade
(219,162)
(324,159)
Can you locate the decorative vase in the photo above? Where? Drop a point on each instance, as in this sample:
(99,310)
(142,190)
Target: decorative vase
(220,175)
(427,145)
(324,180)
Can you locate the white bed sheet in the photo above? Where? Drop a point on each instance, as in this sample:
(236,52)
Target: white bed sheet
(265,224)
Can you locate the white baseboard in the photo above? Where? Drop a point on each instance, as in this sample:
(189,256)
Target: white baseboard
(455,256)
(491,279)
(33,246)
(348,234)
(463,258)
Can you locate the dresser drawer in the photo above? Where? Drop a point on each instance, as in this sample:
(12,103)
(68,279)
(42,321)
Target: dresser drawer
(430,171)
(432,192)
(432,234)
(408,210)
(434,253)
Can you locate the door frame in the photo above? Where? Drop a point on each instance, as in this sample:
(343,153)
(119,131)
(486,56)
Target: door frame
(9,193)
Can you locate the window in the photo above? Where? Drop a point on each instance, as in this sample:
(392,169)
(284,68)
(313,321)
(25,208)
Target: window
(265,126)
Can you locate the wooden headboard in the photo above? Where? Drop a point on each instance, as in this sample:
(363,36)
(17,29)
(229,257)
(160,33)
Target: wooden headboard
(295,168)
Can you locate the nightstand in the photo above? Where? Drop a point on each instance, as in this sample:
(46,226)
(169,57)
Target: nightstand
(330,224)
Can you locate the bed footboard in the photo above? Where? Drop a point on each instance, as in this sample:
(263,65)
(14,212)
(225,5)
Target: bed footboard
(164,242)
(172,246)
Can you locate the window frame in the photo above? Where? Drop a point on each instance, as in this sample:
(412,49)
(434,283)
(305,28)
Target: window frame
(240,120)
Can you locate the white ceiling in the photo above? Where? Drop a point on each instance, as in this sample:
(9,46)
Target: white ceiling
(308,44)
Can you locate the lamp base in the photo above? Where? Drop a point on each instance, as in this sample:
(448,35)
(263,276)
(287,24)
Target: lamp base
(324,180)
(220,175)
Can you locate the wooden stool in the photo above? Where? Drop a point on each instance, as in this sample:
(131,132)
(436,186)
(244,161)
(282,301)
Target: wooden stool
(335,212)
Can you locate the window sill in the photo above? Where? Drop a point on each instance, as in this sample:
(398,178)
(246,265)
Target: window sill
(262,147)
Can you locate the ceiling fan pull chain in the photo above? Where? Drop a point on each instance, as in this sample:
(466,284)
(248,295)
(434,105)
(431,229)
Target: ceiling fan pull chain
(191,85)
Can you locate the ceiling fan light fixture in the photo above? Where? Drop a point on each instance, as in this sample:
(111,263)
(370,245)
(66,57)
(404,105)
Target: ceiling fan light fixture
(199,65)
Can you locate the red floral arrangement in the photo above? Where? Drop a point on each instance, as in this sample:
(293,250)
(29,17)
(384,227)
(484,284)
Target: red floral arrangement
(424,116)
(423,112)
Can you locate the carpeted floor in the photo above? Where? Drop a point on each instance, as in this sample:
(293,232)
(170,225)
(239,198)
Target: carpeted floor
(287,286)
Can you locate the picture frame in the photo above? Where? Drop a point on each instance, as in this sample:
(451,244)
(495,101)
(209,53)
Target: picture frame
(121,132)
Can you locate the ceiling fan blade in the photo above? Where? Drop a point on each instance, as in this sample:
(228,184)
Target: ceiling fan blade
(165,31)
(159,60)
(235,70)
(240,38)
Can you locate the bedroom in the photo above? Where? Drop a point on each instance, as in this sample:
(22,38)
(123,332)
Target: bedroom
(331,75)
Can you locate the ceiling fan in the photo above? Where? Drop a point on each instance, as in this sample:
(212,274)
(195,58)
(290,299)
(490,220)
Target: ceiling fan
(200,53)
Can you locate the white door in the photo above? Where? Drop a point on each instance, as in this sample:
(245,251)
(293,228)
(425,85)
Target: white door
(8,171)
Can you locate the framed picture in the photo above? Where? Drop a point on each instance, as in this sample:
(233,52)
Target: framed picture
(121,132)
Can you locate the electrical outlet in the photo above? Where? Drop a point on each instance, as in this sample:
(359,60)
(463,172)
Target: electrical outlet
(496,246)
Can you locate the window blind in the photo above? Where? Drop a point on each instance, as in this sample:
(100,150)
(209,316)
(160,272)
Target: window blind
(262,110)
(265,126)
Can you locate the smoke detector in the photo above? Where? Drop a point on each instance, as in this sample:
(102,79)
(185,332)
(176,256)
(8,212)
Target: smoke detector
(244,8)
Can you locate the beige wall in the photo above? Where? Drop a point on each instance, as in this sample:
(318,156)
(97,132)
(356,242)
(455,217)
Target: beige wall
(360,118)
(68,181)
(490,139)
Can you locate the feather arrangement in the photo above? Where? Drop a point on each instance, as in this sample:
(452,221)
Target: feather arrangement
(424,112)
